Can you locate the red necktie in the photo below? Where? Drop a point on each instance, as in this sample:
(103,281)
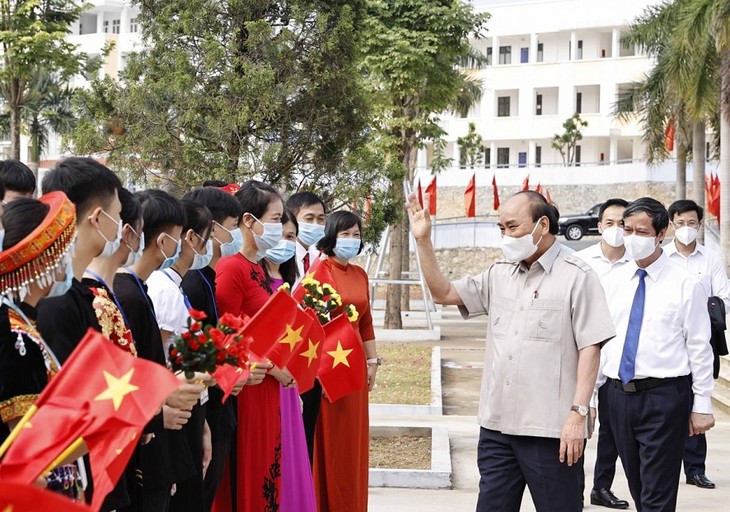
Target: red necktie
(306,263)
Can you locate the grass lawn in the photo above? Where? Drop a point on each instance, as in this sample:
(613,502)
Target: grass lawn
(405,376)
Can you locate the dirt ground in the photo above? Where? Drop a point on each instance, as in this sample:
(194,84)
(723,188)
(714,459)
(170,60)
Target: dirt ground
(400,452)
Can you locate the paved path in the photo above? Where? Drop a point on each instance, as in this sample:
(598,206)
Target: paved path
(461,350)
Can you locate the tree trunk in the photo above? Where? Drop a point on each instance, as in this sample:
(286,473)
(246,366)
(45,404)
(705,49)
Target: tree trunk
(395,266)
(15,118)
(405,297)
(681,185)
(698,168)
(724,170)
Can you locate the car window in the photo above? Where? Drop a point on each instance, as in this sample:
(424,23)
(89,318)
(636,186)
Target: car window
(593,212)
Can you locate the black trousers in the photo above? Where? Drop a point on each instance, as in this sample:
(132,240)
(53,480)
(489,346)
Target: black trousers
(651,428)
(606,451)
(695,453)
(508,463)
(311,402)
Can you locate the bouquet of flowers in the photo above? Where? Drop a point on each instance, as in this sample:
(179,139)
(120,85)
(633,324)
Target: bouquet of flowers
(322,299)
(203,349)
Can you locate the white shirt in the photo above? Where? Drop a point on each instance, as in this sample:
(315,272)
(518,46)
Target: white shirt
(167,297)
(601,265)
(707,266)
(301,251)
(675,331)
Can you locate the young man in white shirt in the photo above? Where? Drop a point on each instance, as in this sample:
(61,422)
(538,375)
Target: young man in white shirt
(604,257)
(310,212)
(662,332)
(707,266)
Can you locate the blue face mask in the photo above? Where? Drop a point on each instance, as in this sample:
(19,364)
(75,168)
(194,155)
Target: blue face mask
(309,233)
(270,237)
(170,260)
(203,260)
(61,287)
(284,251)
(347,248)
(234,246)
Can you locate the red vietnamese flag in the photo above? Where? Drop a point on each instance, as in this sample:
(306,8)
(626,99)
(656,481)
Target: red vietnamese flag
(317,271)
(342,369)
(420,193)
(304,362)
(118,391)
(526,183)
(294,333)
(495,191)
(109,455)
(431,194)
(470,197)
(228,376)
(15,497)
(548,198)
(269,324)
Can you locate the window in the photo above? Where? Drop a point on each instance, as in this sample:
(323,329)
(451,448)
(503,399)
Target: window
(503,106)
(538,156)
(538,105)
(489,56)
(577,156)
(502,157)
(81,28)
(540,52)
(106,26)
(579,53)
(505,55)
(115,26)
(133,26)
(487,157)
(524,55)
(578,102)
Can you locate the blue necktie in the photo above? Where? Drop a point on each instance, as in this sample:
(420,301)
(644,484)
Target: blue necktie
(627,368)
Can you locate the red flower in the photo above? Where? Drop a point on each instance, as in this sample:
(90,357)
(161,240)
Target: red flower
(173,353)
(197,315)
(193,345)
(220,357)
(196,326)
(186,335)
(217,336)
(232,321)
(202,338)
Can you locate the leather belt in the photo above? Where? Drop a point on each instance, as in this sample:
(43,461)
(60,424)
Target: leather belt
(643,384)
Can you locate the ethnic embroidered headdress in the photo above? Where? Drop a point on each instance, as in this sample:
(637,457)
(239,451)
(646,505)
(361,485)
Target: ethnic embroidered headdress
(37,257)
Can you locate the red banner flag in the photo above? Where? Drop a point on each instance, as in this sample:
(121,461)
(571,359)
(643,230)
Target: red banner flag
(712,195)
(294,333)
(495,191)
(431,194)
(669,133)
(304,362)
(119,392)
(538,188)
(548,197)
(526,183)
(269,324)
(420,193)
(16,497)
(342,369)
(470,197)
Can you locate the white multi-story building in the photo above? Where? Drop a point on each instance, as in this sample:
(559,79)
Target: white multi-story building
(546,60)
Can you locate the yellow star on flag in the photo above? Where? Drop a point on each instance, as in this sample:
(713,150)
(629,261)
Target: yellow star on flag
(292,336)
(340,355)
(117,388)
(9,508)
(310,353)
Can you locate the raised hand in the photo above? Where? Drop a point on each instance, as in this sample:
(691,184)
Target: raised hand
(419,217)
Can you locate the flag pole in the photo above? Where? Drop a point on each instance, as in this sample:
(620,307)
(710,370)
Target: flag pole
(16,431)
(64,455)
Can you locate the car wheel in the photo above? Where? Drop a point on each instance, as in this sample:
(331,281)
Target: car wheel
(574,232)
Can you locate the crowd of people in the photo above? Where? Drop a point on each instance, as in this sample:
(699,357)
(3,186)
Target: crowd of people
(629,327)
(89,253)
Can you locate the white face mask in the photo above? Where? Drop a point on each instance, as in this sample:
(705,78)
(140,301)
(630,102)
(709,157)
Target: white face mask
(613,236)
(640,247)
(686,235)
(111,246)
(520,248)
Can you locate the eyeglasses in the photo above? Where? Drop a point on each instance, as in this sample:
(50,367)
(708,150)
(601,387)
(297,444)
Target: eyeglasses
(690,224)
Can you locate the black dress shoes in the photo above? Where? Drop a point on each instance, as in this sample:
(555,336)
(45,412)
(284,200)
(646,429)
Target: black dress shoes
(701,481)
(605,498)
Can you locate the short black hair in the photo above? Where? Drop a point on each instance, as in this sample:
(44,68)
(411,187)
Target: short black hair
(539,207)
(255,196)
(214,183)
(301,199)
(616,201)
(684,206)
(17,176)
(20,218)
(2,191)
(131,209)
(160,211)
(221,204)
(197,218)
(338,221)
(653,208)
(85,181)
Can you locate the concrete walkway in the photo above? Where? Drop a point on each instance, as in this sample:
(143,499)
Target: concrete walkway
(464,431)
